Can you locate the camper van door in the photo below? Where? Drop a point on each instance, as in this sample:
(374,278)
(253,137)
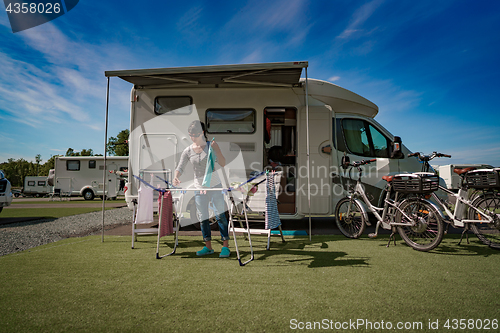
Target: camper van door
(320,131)
(362,138)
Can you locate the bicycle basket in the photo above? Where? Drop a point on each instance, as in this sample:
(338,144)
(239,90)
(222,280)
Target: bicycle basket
(415,183)
(483,179)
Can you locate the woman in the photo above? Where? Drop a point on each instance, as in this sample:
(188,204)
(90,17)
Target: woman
(197,154)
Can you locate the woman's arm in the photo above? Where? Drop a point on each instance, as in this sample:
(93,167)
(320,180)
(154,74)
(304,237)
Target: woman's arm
(180,167)
(220,158)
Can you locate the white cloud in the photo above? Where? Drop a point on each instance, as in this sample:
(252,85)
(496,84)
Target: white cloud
(355,26)
(265,28)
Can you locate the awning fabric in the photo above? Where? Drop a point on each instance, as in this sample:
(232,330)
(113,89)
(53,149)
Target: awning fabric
(274,74)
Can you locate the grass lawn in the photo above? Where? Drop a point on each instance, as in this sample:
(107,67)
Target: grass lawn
(82,284)
(63,202)
(49,212)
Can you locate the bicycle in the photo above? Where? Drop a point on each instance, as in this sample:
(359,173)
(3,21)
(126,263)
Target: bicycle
(477,205)
(417,220)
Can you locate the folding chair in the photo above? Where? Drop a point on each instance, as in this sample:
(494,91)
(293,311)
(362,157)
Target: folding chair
(56,192)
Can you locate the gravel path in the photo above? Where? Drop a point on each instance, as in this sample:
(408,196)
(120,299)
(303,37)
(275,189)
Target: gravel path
(21,236)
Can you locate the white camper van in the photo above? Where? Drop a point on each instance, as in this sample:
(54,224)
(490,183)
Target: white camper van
(36,186)
(83,175)
(259,114)
(5,191)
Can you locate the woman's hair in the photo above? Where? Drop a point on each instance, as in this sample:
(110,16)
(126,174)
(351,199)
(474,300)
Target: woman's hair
(196,127)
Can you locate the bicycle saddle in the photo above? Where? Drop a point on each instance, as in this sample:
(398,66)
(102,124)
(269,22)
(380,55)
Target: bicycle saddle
(388,178)
(462,171)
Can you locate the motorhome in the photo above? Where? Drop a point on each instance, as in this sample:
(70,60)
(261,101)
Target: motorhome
(5,191)
(36,186)
(261,115)
(83,176)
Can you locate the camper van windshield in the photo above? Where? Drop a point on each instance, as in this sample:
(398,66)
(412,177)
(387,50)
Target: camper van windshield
(231,121)
(173,105)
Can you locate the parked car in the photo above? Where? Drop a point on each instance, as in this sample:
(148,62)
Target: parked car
(5,191)
(17,193)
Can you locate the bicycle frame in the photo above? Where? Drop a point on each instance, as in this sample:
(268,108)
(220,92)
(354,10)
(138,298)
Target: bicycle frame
(462,197)
(381,220)
(462,201)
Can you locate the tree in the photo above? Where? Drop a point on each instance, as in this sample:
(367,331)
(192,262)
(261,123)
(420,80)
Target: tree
(83,152)
(38,159)
(50,164)
(70,152)
(87,152)
(118,146)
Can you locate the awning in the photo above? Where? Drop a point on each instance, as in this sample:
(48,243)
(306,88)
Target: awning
(285,74)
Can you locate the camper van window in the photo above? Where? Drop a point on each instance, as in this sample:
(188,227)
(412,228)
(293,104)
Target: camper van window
(92,164)
(363,139)
(173,105)
(41,183)
(380,143)
(73,165)
(230,121)
(31,183)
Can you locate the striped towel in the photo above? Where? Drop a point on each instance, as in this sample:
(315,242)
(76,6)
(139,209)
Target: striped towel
(166,214)
(272,215)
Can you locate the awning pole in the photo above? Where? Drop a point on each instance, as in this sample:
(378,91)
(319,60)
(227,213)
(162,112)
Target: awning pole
(105,154)
(308,158)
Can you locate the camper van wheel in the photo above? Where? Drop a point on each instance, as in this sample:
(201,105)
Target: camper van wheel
(88,195)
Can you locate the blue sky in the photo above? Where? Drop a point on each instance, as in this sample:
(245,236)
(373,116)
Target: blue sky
(431,66)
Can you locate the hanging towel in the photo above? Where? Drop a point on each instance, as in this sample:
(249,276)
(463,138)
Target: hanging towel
(166,213)
(272,215)
(144,205)
(210,167)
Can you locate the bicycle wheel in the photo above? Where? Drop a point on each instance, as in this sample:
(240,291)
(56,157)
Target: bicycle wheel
(488,233)
(426,230)
(350,218)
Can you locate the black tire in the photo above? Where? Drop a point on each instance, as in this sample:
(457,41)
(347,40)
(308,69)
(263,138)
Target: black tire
(488,233)
(427,231)
(88,195)
(350,224)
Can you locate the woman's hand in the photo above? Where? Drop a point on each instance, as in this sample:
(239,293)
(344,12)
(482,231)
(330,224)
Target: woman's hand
(176,181)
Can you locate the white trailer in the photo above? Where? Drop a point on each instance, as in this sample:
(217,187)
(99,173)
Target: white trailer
(36,186)
(451,179)
(83,175)
(259,114)
(5,191)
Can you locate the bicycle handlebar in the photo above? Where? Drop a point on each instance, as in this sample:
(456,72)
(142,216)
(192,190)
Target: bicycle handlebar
(362,162)
(422,157)
(358,165)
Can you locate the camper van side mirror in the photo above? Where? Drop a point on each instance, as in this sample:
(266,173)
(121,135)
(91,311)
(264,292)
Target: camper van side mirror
(345,162)
(396,146)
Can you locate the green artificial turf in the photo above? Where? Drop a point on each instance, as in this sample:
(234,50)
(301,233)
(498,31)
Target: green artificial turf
(83,284)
